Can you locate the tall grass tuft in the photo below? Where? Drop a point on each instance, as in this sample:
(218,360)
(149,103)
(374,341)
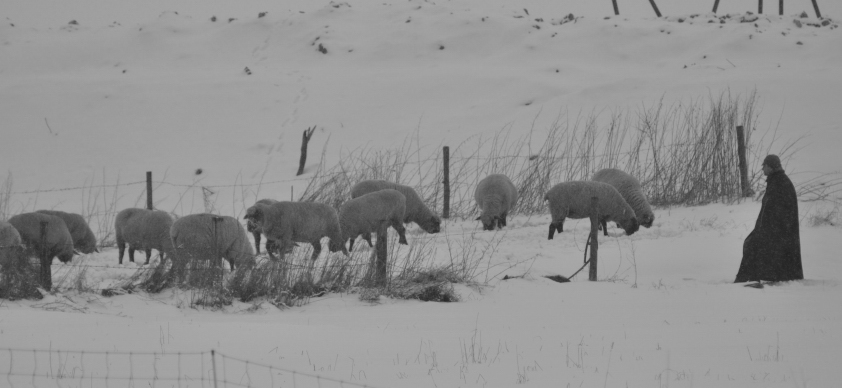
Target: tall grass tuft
(683,154)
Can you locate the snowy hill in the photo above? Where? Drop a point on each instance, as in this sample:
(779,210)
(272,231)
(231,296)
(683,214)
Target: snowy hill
(158,86)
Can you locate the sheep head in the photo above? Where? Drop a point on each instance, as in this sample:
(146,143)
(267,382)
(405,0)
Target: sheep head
(431,224)
(630,226)
(490,222)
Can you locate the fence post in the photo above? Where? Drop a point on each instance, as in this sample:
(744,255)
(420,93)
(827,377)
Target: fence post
(715,5)
(149,190)
(745,190)
(446,206)
(217,260)
(759,7)
(213,366)
(816,7)
(655,7)
(594,244)
(308,133)
(46,261)
(382,260)
(781,7)
(617,10)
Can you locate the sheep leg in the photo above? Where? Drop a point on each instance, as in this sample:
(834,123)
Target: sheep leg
(503,219)
(317,249)
(257,242)
(367,238)
(121,246)
(270,245)
(131,253)
(604,225)
(148,254)
(398,225)
(351,243)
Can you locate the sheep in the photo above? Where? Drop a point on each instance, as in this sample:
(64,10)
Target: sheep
(83,237)
(629,188)
(56,241)
(416,210)
(255,229)
(288,222)
(10,243)
(212,233)
(371,212)
(495,196)
(573,200)
(143,229)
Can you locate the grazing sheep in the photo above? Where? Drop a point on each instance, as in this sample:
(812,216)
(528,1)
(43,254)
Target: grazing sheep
(143,229)
(83,238)
(288,222)
(195,235)
(10,243)
(629,188)
(57,242)
(255,229)
(371,212)
(495,196)
(416,210)
(573,200)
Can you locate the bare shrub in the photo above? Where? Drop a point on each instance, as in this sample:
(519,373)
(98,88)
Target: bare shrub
(18,274)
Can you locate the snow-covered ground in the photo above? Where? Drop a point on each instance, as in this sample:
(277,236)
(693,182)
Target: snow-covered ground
(157,86)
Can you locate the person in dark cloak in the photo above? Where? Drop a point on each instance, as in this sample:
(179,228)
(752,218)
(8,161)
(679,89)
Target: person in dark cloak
(772,251)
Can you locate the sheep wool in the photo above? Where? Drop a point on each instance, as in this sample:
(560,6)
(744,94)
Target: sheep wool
(573,200)
(203,235)
(372,212)
(143,229)
(83,237)
(416,210)
(10,243)
(629,188)
(288,222)
(495,196)
(56,242)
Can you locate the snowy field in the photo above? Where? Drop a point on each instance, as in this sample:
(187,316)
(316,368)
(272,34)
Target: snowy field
(87,108)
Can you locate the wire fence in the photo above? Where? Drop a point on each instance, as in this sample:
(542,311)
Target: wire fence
(212,369)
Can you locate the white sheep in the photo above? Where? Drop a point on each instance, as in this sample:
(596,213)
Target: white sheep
(370,213)
(416,210)
(495,196)
(56,242)
(200,235)
(288,222)
(629,188)
(10,243)
(255,229)
(573,200)
(83,237)
(143,229)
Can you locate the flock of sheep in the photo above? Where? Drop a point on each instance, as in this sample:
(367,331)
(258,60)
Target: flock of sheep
(375,206)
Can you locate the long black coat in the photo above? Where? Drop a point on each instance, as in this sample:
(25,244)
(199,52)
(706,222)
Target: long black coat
(772,251)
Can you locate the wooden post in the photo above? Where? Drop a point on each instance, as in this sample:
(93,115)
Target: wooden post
(745,190)
(46,260)
(216,261)
(816,7)
(594,244)
(213,366)
(381,261)
(759,7)
(655,7)
(308,133)
(715,5)
(617,10)
(446,206)
(781,7)
(149,190)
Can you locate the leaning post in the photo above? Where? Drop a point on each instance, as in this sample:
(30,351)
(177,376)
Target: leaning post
(759,7)
(446,180)
(781,7)
(381,261)
(816,8)
(715,5)
(655,7)
(308,133)
(594,244)
(745,190)
(616,10)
